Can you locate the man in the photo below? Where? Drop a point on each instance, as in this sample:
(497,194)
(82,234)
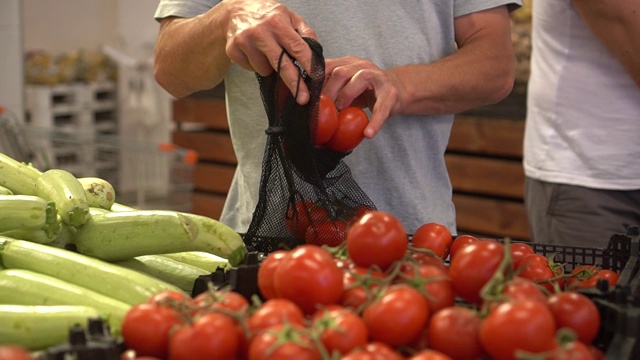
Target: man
(412,64)
(581,148)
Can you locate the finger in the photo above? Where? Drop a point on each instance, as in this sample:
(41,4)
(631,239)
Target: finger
(380,114)
(290,75)
(337,77)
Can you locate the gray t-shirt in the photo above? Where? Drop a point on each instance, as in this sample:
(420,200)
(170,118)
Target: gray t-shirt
(402,169)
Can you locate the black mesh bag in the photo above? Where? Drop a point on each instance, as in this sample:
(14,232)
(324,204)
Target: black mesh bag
(307,194)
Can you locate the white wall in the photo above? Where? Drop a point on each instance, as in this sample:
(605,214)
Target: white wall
(11,65)
(64,25)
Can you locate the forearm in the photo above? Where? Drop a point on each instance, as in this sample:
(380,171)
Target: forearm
(617,24)
(190,53)
(481,72)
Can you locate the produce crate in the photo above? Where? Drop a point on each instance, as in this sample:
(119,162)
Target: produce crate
(145,175)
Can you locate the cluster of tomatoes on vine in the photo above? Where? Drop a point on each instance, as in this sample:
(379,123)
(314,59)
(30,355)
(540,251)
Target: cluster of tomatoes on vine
(379,296)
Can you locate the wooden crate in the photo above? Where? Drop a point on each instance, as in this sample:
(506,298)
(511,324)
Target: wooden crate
(484,160)
(201,125)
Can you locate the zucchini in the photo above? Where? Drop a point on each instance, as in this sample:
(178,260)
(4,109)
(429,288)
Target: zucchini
(99,192)
(174,272)
(27,212)
(200,259)
(18,177)
(24,287)
(117,236)
(38,236)
(108,279)
(97,210)
(5,191)
(117,207)
(37,327)
(63,188)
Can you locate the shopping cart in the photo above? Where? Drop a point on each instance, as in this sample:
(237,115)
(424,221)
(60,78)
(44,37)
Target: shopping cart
(145,175)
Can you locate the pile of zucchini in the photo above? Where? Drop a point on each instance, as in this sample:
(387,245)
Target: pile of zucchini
(121,257)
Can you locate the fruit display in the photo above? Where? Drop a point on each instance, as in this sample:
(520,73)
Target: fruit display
(379,293)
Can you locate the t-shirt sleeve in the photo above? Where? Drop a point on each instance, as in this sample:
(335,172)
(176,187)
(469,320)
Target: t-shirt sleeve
(464,7)
(183,8)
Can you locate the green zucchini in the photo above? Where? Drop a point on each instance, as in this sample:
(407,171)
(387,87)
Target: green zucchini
(38,236)
(27,212)
(37,327)
(201,259)
(117,236)
(18,177)
(117,207)
(174,272)
(99,192)
(96,210)
(24,287)
(122,284)
(63,188)
(5,191)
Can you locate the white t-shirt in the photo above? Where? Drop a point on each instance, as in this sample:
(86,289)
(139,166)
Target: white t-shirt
(583,116)
(402,169)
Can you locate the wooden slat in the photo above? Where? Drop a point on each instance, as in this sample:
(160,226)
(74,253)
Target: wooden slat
(211,146)
(207,204)
(487,176)
(213,177)
(492,217)
(483,135)
(210,112)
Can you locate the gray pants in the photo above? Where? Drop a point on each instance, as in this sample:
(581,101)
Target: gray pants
(577,216)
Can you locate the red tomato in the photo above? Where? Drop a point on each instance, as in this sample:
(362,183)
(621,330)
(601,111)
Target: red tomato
(353,215)
(309,277)
(430,259)
(378,238)
(430,355)
(330,233)
(265,273)
(275,312)
(538,268)
(169,298)
(435,237)
(350,132)
(574,350)
(359,283)
(146,327)
(282,342)
(520,325)
(473,266)
(579,274)
(212,336)
(222,299)
(341,329)
(431,281)
(462,321)
(397,316)
(374,350)
(302,215)
(610,276)
(459,243)
(520,288)
(14,352)
(327,121)
(518,251)
(577,312)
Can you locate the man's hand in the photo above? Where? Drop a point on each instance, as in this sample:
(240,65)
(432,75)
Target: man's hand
(258,31)
(353,81)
